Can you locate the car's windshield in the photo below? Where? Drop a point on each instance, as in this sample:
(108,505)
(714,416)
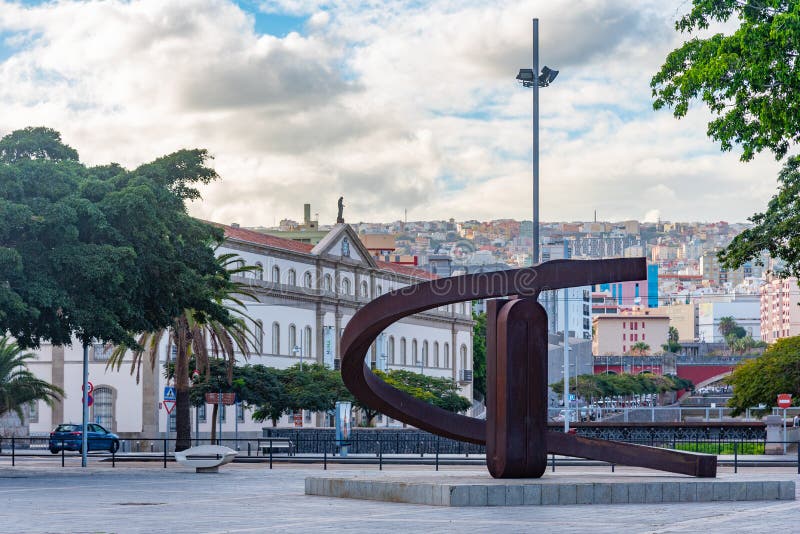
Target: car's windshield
(68,428)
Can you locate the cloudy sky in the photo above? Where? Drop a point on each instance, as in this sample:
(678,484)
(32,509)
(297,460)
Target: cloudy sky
(398,104)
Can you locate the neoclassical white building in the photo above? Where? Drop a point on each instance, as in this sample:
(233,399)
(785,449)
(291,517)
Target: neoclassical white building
(306,294)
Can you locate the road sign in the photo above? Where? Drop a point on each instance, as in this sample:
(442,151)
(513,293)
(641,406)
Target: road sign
(91,387)
(169,405)
(298,419)
(227,399)
(90,399)
(784,400)
(169,393)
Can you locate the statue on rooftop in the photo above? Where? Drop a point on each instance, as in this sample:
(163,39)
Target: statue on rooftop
(340,218)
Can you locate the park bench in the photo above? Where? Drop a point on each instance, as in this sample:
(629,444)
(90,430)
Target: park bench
(205,458)
(267,445)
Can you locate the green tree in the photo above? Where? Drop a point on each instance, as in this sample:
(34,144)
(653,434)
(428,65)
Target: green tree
(749,79)
(479,355)
(640,348)
(728,326)
(441,392)
(98,252)
(198,334)
(760,380)
(672,344)
(19,386)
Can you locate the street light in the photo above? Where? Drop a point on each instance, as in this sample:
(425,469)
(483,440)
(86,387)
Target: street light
(532,78)
(297,350)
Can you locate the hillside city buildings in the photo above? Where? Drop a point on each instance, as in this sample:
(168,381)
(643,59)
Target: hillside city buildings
(314,277)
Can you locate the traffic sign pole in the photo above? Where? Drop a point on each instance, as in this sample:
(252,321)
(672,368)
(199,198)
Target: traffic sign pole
(85,401)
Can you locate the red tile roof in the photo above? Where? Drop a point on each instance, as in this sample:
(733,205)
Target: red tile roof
(252,236)
(406,269)
(265,239)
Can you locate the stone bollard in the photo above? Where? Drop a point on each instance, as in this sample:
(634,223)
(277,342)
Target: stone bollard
(774,434)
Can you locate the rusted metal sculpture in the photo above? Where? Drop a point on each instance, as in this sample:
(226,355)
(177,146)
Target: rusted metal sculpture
(515,431)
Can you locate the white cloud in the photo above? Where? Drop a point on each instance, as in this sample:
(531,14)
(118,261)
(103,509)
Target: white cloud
(392,104)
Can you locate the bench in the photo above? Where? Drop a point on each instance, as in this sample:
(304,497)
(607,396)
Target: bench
(205,458)
(267,445)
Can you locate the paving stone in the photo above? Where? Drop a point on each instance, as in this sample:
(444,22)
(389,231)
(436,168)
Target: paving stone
(705,491)
(688,492)
(722,492)
(619,494)
(602,493)
(532,494)
(654,492)
(459,495)
(636,493)
(477,496)
(787,490)
(549,494)
(496,495)
(738,491)
(567,494)
(755,491)
(772,490)
(670,492)
(584,493)
(514,495)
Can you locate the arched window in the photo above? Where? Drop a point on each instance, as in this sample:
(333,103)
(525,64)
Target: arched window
(259,335)
(379,290)
(307,279)
(391,350)
(464,362)
(259,273)
(346,286)
(307,341)
(402,351)
(425,361)
(447,355)
(276,274)
(436,354)
(414,353)
(292,281)
(328,283)
(276,338)
(364,290)
(103,407)
(292,339)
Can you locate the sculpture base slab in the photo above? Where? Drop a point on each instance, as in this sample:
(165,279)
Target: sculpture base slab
(552,489)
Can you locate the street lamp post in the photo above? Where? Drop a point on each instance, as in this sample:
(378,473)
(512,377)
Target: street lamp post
(532,78)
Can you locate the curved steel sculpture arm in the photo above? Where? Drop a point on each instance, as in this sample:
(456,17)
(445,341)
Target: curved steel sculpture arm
(376,316)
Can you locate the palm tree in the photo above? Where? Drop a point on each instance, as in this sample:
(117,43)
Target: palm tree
(19,386)
(198,335)
(640,348)
(727,325)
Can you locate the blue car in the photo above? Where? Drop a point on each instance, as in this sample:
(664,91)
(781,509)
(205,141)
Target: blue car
(68,437)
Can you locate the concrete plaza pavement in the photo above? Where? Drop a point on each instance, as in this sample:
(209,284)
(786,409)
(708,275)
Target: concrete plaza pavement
(38,497)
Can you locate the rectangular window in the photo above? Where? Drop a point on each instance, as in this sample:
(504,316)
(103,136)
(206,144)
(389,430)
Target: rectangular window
(201,413)
(33,412)
(623,336)
(307,415)
(642,337)
(101,352)
(240,412)
(623,325)
(642,325)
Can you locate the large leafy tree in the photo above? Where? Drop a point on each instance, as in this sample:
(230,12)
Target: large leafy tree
(760,380)
(19,386)
(479,355)
(99,252)
(203,336)
(750,80)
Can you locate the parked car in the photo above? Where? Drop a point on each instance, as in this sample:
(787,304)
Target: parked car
(69,436)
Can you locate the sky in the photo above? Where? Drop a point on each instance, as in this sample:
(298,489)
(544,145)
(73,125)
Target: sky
(395,105)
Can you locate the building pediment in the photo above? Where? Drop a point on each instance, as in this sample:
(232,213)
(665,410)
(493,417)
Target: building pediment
(342,243)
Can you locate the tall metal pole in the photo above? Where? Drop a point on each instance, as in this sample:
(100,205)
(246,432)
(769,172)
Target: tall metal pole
(84,436)
(535,141)
(566,360)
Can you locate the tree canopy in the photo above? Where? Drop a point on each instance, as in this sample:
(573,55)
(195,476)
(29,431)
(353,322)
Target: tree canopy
(760,380)
(479,355)
(625,384)
(99,252)
(749,79)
